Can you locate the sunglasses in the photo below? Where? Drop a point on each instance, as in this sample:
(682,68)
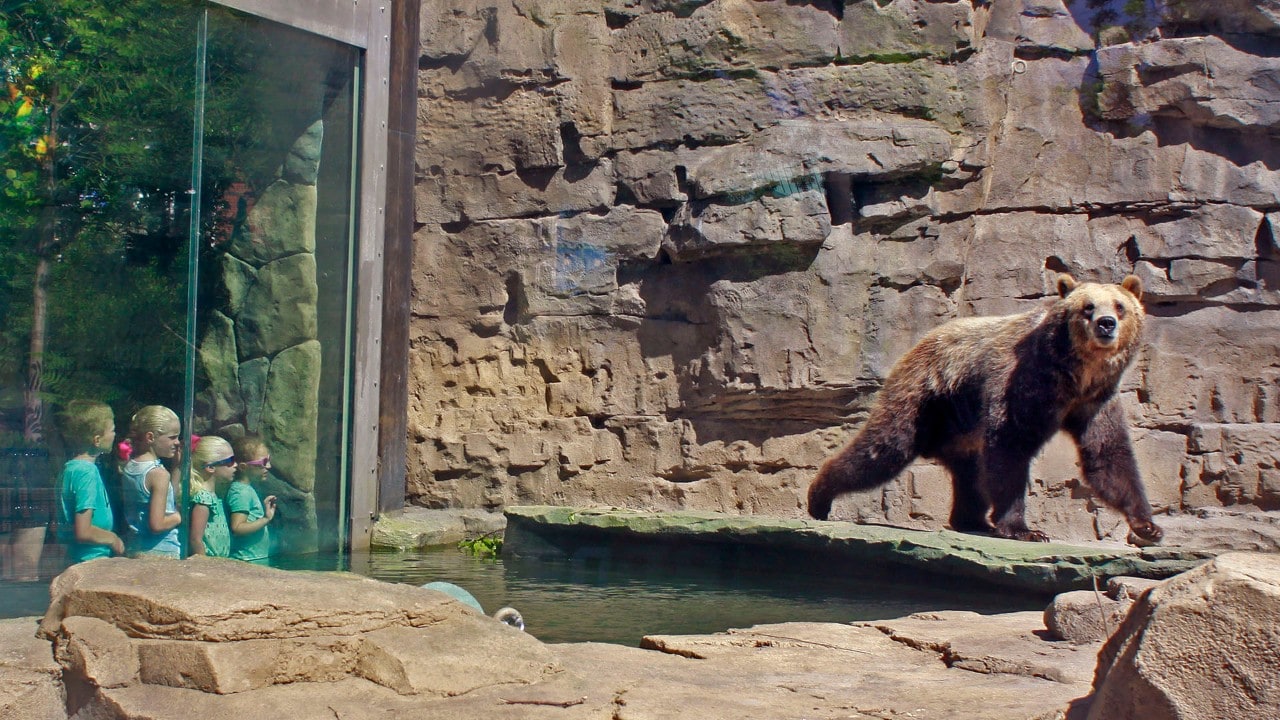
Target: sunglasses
(225,462)
(257,463)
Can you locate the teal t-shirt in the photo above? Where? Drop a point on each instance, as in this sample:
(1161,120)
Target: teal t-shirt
(217,535)
(83,489)
(242,498)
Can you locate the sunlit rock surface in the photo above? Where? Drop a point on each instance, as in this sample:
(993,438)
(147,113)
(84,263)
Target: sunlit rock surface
(668,251)
(1088,615)
(29,677)
(1198,646)
(219,639)
(420,528)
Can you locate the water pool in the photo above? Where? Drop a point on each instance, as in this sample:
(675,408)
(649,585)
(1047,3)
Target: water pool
(614,601)
(619,602)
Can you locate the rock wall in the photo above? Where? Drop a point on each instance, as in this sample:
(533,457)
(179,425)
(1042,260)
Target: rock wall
(262,347)
(667,251)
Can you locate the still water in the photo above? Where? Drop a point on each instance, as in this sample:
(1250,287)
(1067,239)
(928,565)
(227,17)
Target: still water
(616,601)
(620,602)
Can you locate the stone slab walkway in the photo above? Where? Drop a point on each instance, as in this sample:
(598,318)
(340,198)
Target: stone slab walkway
(545,531)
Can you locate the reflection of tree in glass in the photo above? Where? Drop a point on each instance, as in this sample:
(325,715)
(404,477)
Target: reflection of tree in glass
(96,103)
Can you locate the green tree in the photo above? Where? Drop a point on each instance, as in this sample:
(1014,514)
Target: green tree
(95,138)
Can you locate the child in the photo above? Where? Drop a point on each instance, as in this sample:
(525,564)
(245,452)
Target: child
(213,466)
(148,488)
(89,429)
(249,515)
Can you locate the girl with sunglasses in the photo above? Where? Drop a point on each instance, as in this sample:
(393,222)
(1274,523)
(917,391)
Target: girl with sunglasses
(249,514)
(213,466)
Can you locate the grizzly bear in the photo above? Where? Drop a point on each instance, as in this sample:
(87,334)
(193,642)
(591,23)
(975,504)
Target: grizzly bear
(982,395)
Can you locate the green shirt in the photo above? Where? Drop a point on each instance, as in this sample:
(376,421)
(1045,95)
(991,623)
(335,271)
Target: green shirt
(217,534)
(83,489)
(242,498)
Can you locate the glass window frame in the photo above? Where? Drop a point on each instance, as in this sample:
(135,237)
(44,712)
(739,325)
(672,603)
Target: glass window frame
(367,25)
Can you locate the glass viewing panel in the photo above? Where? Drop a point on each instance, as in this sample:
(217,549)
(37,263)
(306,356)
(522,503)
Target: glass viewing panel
(273,344)
(177,220)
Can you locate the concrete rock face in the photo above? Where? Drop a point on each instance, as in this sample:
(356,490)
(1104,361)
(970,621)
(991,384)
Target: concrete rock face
(668,251)
(135,637)
(1083,616)
(29,687)
(1200,645)
(218,639)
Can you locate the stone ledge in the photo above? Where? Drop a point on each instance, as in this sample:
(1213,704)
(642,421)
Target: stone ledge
(416,528)
(544,531)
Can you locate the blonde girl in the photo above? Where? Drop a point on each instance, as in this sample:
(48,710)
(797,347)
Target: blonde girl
(149,496)
(213,466)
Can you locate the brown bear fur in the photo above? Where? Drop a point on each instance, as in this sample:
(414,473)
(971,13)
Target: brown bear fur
(983,395)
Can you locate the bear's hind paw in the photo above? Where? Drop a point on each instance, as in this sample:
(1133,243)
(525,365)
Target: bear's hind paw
(819,505)
(1024,534)
(1144,533)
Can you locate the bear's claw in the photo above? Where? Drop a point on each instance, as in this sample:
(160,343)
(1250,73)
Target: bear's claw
(1145,532)
(1024,534)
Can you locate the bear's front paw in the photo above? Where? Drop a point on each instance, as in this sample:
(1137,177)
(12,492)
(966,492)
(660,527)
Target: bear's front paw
(1144,532)
(1023,534)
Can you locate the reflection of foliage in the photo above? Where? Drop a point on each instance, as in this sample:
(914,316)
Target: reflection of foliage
(488,545)
(96,105)
(96,101)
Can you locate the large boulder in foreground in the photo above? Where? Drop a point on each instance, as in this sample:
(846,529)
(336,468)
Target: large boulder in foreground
(29,687)
(219,639)
(223,640)
(126,631)
(1200,646)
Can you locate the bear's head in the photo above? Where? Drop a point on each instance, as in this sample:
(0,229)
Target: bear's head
(1104,320)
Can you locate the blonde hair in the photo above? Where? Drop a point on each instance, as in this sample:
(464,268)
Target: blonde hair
(83,420)
(150,419)
(209,449)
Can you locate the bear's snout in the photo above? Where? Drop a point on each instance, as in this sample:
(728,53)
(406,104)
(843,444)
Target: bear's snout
(1105,327)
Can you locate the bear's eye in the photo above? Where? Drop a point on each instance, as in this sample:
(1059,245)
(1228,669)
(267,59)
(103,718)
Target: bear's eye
(1088,310)
(1120,310)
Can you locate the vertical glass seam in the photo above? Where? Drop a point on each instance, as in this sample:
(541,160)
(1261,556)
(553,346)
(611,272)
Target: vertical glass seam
(353,225)
(193,261)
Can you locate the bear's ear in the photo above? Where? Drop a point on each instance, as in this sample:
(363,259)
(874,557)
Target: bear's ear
(1133,284)
(1066,284)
